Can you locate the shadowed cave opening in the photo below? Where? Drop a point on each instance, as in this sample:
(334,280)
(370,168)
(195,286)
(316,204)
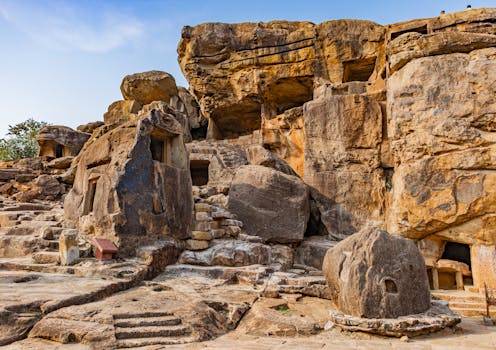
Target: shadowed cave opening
(237,120)
(358,70)
(199,172)
(288,93)
(458,252)
(421,30)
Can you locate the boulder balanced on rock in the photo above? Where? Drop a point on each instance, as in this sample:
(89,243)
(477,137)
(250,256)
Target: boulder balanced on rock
(372,274)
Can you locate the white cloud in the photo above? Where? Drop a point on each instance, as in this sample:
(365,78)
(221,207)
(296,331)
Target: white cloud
(70,26)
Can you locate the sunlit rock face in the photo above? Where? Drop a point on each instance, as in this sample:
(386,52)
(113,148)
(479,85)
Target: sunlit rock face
(389,125)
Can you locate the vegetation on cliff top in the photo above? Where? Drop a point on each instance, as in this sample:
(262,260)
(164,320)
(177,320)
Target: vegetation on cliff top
(20,141)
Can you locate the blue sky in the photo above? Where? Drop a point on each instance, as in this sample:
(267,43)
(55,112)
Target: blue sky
(63,61)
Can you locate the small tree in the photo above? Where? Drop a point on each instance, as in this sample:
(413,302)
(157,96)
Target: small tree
(21,140)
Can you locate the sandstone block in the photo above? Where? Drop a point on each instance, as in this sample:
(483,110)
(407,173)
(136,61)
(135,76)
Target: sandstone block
(372,274)
(193,244)
(199,207)
(201,235)
(271,204)
(149,86)
(202,216)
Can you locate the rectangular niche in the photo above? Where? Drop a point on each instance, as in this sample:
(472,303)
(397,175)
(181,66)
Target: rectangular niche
(358,70)
(90,196)
(199,172)
(167,148)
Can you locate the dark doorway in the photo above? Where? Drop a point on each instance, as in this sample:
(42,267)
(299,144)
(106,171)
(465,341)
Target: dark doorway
(458,252)
(199,172)
(59,151)
(90,196)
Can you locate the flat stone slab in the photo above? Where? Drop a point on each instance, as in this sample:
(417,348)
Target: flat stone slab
(26,296)
(437,318)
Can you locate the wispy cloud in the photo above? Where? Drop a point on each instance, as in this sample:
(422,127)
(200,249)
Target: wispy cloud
(68,25)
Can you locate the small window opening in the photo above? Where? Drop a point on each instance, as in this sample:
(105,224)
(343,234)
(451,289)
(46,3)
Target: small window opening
(199,172)
(390,286)
(59,151)
(157,147)
(90,201)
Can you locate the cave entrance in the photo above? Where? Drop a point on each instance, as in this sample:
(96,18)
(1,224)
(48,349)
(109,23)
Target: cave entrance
(237,120)
(199,172)
(453,269)
(457,252)
(59,151)
(287,93)
(358,70)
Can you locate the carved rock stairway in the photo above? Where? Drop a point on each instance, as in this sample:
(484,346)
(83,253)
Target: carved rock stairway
(465,303)
(25,232)
(150,328)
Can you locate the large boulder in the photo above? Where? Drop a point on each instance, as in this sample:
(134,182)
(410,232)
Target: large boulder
(149,86)
(273,205)
(373,274)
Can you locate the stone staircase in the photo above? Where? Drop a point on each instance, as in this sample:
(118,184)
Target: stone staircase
(465,303)
(25,232)
(135,330)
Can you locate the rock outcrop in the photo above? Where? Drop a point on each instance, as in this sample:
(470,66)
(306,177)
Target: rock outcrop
(375,275)
(392,126)
(274,206)
(132,183)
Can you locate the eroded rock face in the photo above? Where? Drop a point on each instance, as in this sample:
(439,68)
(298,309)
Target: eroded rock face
(132,183)
(443,137)
(343,134)
(271,204)
(60,141)
(248,72)
(375,275)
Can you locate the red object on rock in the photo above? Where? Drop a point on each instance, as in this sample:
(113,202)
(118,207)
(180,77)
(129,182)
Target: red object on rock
(105,248)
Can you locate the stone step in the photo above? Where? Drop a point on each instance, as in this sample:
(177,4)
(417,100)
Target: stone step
(474,312)
(143,315)
(46,257)
(147,321)
(52,245)
(467,305)
(151,332)
(40,224)
(138,343)
(461,296)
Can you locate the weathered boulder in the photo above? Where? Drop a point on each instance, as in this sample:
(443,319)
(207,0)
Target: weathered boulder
(312,250)
(257,155)
(90,127)
(122,111)
(273,205)
(59,141)
(132,183)
(372,274)
(239,253)
(149,86)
